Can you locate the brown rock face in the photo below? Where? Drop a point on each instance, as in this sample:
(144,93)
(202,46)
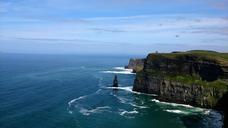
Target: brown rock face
(208,70)
(198,78)
(162,75)
(177,92)
(135,64)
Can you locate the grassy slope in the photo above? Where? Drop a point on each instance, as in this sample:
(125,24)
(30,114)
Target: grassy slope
(221,58)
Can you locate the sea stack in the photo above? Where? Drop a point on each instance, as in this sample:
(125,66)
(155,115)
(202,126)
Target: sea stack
(115,81)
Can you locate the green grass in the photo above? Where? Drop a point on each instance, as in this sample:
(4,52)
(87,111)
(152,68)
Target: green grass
(194,55)
(198,55)
(185,79)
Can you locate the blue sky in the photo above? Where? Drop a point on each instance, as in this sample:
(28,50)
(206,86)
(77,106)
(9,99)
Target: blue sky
(112,26)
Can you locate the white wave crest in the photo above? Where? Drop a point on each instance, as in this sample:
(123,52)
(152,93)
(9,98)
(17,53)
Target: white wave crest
(124,112)
(123,68)
(127,101)
(154,100)
(70,112)
(188,108)
(87,112)
(172,104)
(129,89)
(119,70)
(76,99)
(177,111)
(138,106)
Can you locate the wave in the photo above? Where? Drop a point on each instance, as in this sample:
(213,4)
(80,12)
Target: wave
(125,112)
(217,118)
(138,106)
(123,68)
(121,99)
(119,70)
(189,109)
(128,112)
(76,99)
(177,111)
(71,112)
(127,101)
(98,91)
(129,89)
(172,104)
(82,97)
(87,112)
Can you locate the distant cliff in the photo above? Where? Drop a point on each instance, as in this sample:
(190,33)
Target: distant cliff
(135,64)
(198,78)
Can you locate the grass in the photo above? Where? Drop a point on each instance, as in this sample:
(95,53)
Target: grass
(185,79)
(194,55)
(198,55)
(195,80)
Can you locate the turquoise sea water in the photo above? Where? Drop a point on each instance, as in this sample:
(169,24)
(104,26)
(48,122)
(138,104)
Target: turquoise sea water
(72,91)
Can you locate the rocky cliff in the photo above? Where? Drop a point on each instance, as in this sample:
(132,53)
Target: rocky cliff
(135,64)
(198,78)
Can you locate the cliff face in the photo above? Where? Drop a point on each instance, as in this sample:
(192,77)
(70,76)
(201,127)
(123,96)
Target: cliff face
(188,78)
(178,92)
(135,64)
(188,64)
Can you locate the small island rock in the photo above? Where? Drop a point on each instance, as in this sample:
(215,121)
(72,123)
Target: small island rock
(115,81)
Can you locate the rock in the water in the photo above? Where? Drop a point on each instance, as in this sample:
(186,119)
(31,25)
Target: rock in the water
(115,81)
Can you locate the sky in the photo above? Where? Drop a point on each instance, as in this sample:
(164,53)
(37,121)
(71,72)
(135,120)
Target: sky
(112,26)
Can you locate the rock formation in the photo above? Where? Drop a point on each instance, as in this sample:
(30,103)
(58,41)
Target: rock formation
(198,78)
(115,81)
(135,64)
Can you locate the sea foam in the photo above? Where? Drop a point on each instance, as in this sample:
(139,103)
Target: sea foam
(76,99)
(177,111)
(172,104)
(129,89)
(119,70)
(127,113)
(87,112)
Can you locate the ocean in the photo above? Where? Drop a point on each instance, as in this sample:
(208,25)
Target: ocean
(74,91)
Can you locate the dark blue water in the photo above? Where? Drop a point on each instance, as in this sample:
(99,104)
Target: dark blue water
(72,91)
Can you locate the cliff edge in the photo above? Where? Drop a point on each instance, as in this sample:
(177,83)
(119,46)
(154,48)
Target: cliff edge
(135,64)
(197,78)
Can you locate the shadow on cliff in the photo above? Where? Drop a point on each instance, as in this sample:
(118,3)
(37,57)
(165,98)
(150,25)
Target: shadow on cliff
(197,121)
(192,121)
(222,105)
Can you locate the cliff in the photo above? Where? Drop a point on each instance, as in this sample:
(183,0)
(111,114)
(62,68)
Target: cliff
(198,78)
(135,64)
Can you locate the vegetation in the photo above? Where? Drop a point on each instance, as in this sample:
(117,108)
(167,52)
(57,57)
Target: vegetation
(189,79)
(185,79)
(198,55)
(199,78)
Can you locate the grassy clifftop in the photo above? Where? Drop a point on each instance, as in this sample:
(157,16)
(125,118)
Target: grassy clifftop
(203,68)
(198,55)
(198,78)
